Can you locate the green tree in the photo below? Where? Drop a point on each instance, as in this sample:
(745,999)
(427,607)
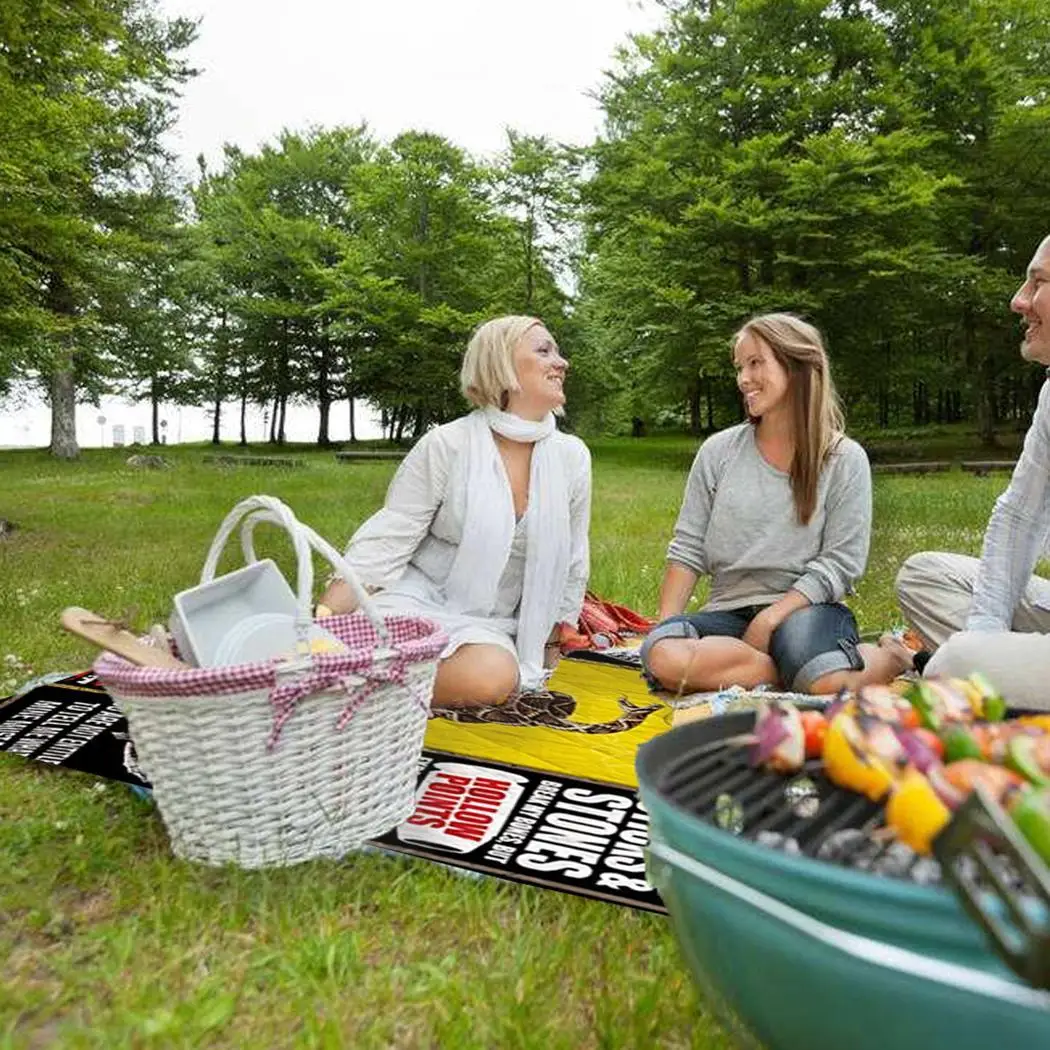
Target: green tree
(86,91)
(535,184)
(830,157)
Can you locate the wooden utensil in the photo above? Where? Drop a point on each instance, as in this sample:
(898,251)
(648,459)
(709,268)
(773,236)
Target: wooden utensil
(94,628)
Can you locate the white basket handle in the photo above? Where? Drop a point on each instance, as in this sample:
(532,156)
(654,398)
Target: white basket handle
(280,514)
(327,551)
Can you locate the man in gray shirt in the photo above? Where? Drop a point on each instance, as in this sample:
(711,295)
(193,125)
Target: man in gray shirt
(993,615)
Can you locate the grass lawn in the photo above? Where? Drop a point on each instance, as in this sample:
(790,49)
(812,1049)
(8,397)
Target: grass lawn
(106,941)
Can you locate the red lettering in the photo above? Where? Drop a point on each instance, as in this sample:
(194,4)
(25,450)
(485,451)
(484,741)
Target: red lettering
(499,785)
(449,778)
(467,815)
(444,812)
(425,822)
(488,796)
(482,814)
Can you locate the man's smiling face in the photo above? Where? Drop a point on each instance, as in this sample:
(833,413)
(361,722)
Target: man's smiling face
(1032,302)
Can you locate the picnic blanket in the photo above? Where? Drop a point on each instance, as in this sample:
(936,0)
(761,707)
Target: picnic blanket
(560,761)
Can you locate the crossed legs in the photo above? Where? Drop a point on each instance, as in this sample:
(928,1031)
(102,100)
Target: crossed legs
(815,650)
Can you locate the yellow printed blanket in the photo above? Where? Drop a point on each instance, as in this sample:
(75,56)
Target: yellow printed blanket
(588,723)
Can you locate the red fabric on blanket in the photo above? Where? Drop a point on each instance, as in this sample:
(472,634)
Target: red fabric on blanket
(603,624)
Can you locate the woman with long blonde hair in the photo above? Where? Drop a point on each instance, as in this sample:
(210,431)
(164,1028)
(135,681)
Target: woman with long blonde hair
(777,512)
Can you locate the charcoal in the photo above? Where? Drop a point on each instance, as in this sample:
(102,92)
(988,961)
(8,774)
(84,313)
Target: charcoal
(895,860)
(926,872)
(775,840)
(840,846)
(802,797)
(866,856)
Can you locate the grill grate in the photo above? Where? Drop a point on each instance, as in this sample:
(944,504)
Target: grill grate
(804,813)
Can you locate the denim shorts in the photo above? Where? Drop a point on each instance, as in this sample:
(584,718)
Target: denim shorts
(812,642)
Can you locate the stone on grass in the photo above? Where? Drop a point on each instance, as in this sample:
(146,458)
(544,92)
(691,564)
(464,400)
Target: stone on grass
(144,462)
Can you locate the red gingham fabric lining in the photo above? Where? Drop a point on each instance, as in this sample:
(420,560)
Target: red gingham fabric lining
(412,640)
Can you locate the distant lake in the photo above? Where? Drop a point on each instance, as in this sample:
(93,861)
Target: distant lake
(25,422)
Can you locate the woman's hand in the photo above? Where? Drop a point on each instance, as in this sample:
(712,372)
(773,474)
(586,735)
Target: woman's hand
(760,630)
(552,649)
(337,598)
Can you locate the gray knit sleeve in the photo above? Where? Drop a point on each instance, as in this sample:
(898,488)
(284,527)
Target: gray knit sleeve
(690,531)
(843,555)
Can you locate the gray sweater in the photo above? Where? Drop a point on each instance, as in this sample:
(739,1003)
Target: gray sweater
(738,524)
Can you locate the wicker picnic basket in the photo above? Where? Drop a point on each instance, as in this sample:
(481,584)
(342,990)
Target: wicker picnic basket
(277,762)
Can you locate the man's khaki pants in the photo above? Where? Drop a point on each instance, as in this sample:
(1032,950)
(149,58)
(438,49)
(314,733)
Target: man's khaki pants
(935,592)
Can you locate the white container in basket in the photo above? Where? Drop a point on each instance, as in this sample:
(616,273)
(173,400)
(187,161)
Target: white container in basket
(276,762)
(204,615)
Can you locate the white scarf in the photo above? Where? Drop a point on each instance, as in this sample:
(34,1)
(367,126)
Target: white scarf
(488,532)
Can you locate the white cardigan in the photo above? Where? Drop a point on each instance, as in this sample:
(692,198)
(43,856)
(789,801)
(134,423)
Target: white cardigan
(409,544)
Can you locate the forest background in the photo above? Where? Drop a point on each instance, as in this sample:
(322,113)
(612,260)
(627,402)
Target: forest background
(880,166)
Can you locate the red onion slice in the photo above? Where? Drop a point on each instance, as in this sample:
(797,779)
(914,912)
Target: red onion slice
(770,732)
(944,789)
(919,753)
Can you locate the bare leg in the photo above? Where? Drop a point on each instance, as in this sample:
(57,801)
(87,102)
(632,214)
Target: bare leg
(475,676)
(686,665)
(882,663)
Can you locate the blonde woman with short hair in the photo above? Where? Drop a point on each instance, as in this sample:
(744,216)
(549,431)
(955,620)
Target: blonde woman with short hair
(777,512)
(484,528)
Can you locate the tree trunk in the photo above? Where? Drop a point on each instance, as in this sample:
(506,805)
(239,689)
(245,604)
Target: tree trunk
(353,430)
(63,413)
(154,404)
(220,375)
(324,395)
(244,418)
(62,382)
(694,406)
(282,381)
(325,409)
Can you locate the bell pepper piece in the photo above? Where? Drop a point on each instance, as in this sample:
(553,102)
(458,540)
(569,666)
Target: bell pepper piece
(1031,814)
(1039,721)
(1022,757)
(915,812)
(988,703)
(924,700)
(850,764)
(960,743)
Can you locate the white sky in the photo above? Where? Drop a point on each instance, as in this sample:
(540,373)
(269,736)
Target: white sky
(466,69)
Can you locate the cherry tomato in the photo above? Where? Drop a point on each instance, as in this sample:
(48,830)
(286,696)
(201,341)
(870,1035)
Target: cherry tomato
(909,717)
(815,726)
